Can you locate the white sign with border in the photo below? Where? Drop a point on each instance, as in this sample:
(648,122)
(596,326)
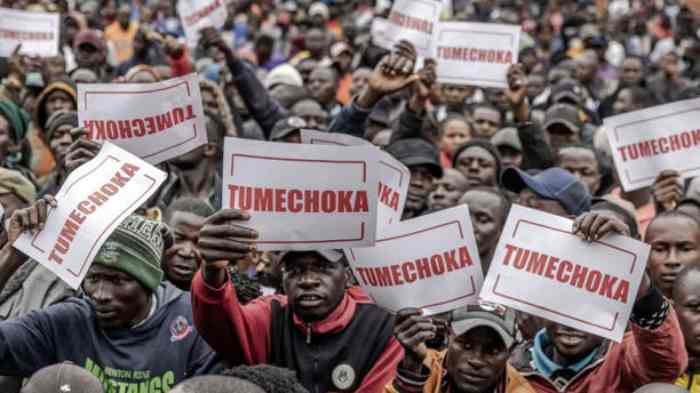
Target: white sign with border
(37,32)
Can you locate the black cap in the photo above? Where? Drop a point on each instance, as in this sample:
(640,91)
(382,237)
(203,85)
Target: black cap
(416,151)
(565,114)
(567,90)
(286,126)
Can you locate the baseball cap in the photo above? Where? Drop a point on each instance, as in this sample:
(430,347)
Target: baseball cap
(92,37)
(339,47)
(567,90)
(554,183)
(507,137)
(416,151)
(283,74)
(328,254)
(286,126)
(564,114)
(495,316)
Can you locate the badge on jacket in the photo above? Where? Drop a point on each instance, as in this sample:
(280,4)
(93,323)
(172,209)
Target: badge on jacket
(343,376)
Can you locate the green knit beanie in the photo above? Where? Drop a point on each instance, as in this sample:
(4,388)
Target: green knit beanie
(136,248)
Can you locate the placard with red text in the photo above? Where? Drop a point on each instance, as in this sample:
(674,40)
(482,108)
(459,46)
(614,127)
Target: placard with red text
(416,22)
(476,54)
(429,262)
(155,121)
(37,32)
(198,14)
(651,140)
(394,177)
(95,198)
(540,267)
(303,197)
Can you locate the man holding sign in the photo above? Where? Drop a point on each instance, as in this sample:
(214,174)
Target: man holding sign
(333,337)
(567,359)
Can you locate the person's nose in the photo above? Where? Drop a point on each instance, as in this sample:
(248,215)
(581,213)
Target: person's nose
(309,280)
(102,293)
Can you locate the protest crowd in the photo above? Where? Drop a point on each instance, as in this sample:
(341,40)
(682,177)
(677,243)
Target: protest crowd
(180,198)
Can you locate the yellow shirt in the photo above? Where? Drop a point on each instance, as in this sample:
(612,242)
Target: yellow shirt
(123,40)
(690,382)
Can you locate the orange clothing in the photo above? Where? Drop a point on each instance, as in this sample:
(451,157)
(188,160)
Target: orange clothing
(123,40)
(343,94)
(515,383)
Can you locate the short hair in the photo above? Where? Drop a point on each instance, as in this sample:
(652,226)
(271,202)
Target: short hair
(584,146)
(50,379)
(270,378)
(693,268)
(500,194)
(674,214)
(196,206)
(486,105)
(627,218)
(216,384)
(450,118)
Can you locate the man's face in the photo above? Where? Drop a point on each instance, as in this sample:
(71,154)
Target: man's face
(510,157)
(58,100)
(585,70)
(530,199)
(209,100)
(631,72)
(675,243)
(119,300)
(686,302)
(88,56)
(419,188)
(559,135)
(624,102)
(55,67)
(360,78)
(312,113)
(305,67)
(455,95)
(183,259)
(447,190)
(60,142)
(487,215)
(581,163)
(5,138)
(344,60)
(314,285)
(455,134)
(669,64)
(315,42)
(571,344)
(487,122)
(535,85)
(123,15)
(478,166)
(476,360)
(323,85)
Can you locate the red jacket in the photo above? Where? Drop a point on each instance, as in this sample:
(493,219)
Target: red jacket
(644,356)
(242,333)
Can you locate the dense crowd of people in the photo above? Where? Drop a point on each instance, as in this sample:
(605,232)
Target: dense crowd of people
(180,300)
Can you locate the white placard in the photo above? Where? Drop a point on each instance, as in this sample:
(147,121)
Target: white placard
(649,141)
(414,21)
(93,201)
(155,121)
(198,14)
(540,267)
(378,32)
(430,262)
(38,32)
(303,197)
(477,54)
(394,177)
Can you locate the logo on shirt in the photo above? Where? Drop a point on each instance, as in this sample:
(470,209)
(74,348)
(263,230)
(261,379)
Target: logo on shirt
(343,376)
(179,329)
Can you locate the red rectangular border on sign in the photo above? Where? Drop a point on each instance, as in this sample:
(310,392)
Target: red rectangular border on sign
(189,94)
(119,217)
(455,77)
(411,234)
(495,291)
(617,130)
(361,235)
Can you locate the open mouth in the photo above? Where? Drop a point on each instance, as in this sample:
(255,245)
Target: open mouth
(570,339)
(309,300)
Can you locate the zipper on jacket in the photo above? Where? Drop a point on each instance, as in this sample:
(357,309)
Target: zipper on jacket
(308,334)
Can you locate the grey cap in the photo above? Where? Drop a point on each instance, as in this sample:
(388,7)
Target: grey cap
(507,137)
(564,114)
(495,316)
(328,254)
